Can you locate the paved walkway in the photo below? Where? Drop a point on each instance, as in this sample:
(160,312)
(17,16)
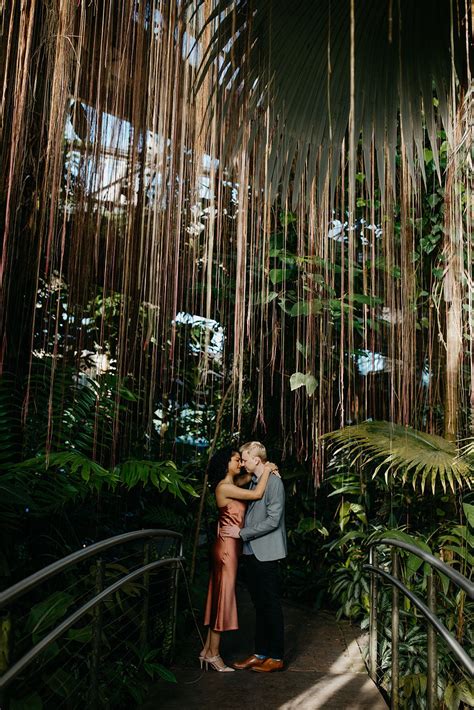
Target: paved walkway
(324,670)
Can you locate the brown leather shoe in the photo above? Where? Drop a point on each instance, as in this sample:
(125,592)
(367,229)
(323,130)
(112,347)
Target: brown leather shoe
(250,662)
(269,665)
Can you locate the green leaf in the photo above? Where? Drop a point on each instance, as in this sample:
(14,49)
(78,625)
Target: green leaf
(189,489)
(48,612)
(307,308)
(365,299)
(165,673)
(287,218)
(413,563)
(466,692)
(310,524)
(298,379)
(301,348)
(448,696)
(351,535)
(83,635)
(469,513)
(311,384)
(128,395)
(275,252)
(445,582)
(277,275)
(427,155)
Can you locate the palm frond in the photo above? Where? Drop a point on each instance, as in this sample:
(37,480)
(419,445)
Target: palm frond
(289,64)
(72,462)
(163,475)
(467,450)
(415,456)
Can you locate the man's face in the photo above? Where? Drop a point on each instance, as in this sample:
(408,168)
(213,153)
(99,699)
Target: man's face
(249,462)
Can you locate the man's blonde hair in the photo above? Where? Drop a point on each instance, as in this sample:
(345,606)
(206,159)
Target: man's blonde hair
(255,448)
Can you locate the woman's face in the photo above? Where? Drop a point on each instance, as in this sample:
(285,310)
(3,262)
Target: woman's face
(234,464)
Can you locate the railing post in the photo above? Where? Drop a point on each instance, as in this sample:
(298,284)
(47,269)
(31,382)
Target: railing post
(5,649)
(175,604)
(96,636)
(146,599)
(373,617)
(394,699)
(432,689)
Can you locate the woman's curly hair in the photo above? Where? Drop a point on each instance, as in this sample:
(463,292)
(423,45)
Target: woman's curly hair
(218,464)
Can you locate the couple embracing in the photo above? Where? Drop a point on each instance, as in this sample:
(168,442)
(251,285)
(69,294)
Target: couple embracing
(251,500)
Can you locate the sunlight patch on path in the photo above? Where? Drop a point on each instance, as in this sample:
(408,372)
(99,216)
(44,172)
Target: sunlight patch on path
(342,686)
(328,693)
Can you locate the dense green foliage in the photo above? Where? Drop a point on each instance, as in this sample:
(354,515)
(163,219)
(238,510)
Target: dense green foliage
(358,502)
(80,463)
(66,496)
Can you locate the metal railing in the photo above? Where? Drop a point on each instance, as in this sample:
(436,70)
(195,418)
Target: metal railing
(95,603)
(435,626)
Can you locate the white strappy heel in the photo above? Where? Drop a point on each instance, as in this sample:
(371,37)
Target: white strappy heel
(214,662)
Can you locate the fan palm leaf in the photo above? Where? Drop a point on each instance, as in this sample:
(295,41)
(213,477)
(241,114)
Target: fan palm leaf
(290,63)
(393,448)
(467,450)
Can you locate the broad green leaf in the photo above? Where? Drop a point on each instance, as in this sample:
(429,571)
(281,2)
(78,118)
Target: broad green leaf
(83,635)
(301,348)
(427,155)
(311,524)
(128,395)
(307,308)
(49,611)
(445,582)
(466,692)
(364,299)
(469,513)
(310,384)
(165,673)
(351,535)
(277,275)
(298,379)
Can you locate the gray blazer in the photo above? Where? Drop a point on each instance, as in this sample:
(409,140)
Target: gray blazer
(264,524)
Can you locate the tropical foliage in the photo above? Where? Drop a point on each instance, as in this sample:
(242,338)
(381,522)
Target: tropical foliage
(226,221)
(413,455)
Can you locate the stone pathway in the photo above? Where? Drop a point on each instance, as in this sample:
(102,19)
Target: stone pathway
(324,669)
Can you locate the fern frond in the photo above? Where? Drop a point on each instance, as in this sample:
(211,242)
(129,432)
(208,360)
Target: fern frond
(391,448)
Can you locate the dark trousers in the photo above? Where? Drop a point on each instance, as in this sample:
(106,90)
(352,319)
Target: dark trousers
(263,585)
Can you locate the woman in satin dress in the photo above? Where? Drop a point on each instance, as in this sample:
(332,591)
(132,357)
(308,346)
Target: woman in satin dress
(221,607)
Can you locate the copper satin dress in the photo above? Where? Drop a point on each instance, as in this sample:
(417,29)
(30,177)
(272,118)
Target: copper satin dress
(221,606)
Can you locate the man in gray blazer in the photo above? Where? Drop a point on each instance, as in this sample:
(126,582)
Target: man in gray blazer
(264,538)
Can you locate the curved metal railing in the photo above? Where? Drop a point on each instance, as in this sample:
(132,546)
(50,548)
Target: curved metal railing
(29,583)
(435,627)
(51,570)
